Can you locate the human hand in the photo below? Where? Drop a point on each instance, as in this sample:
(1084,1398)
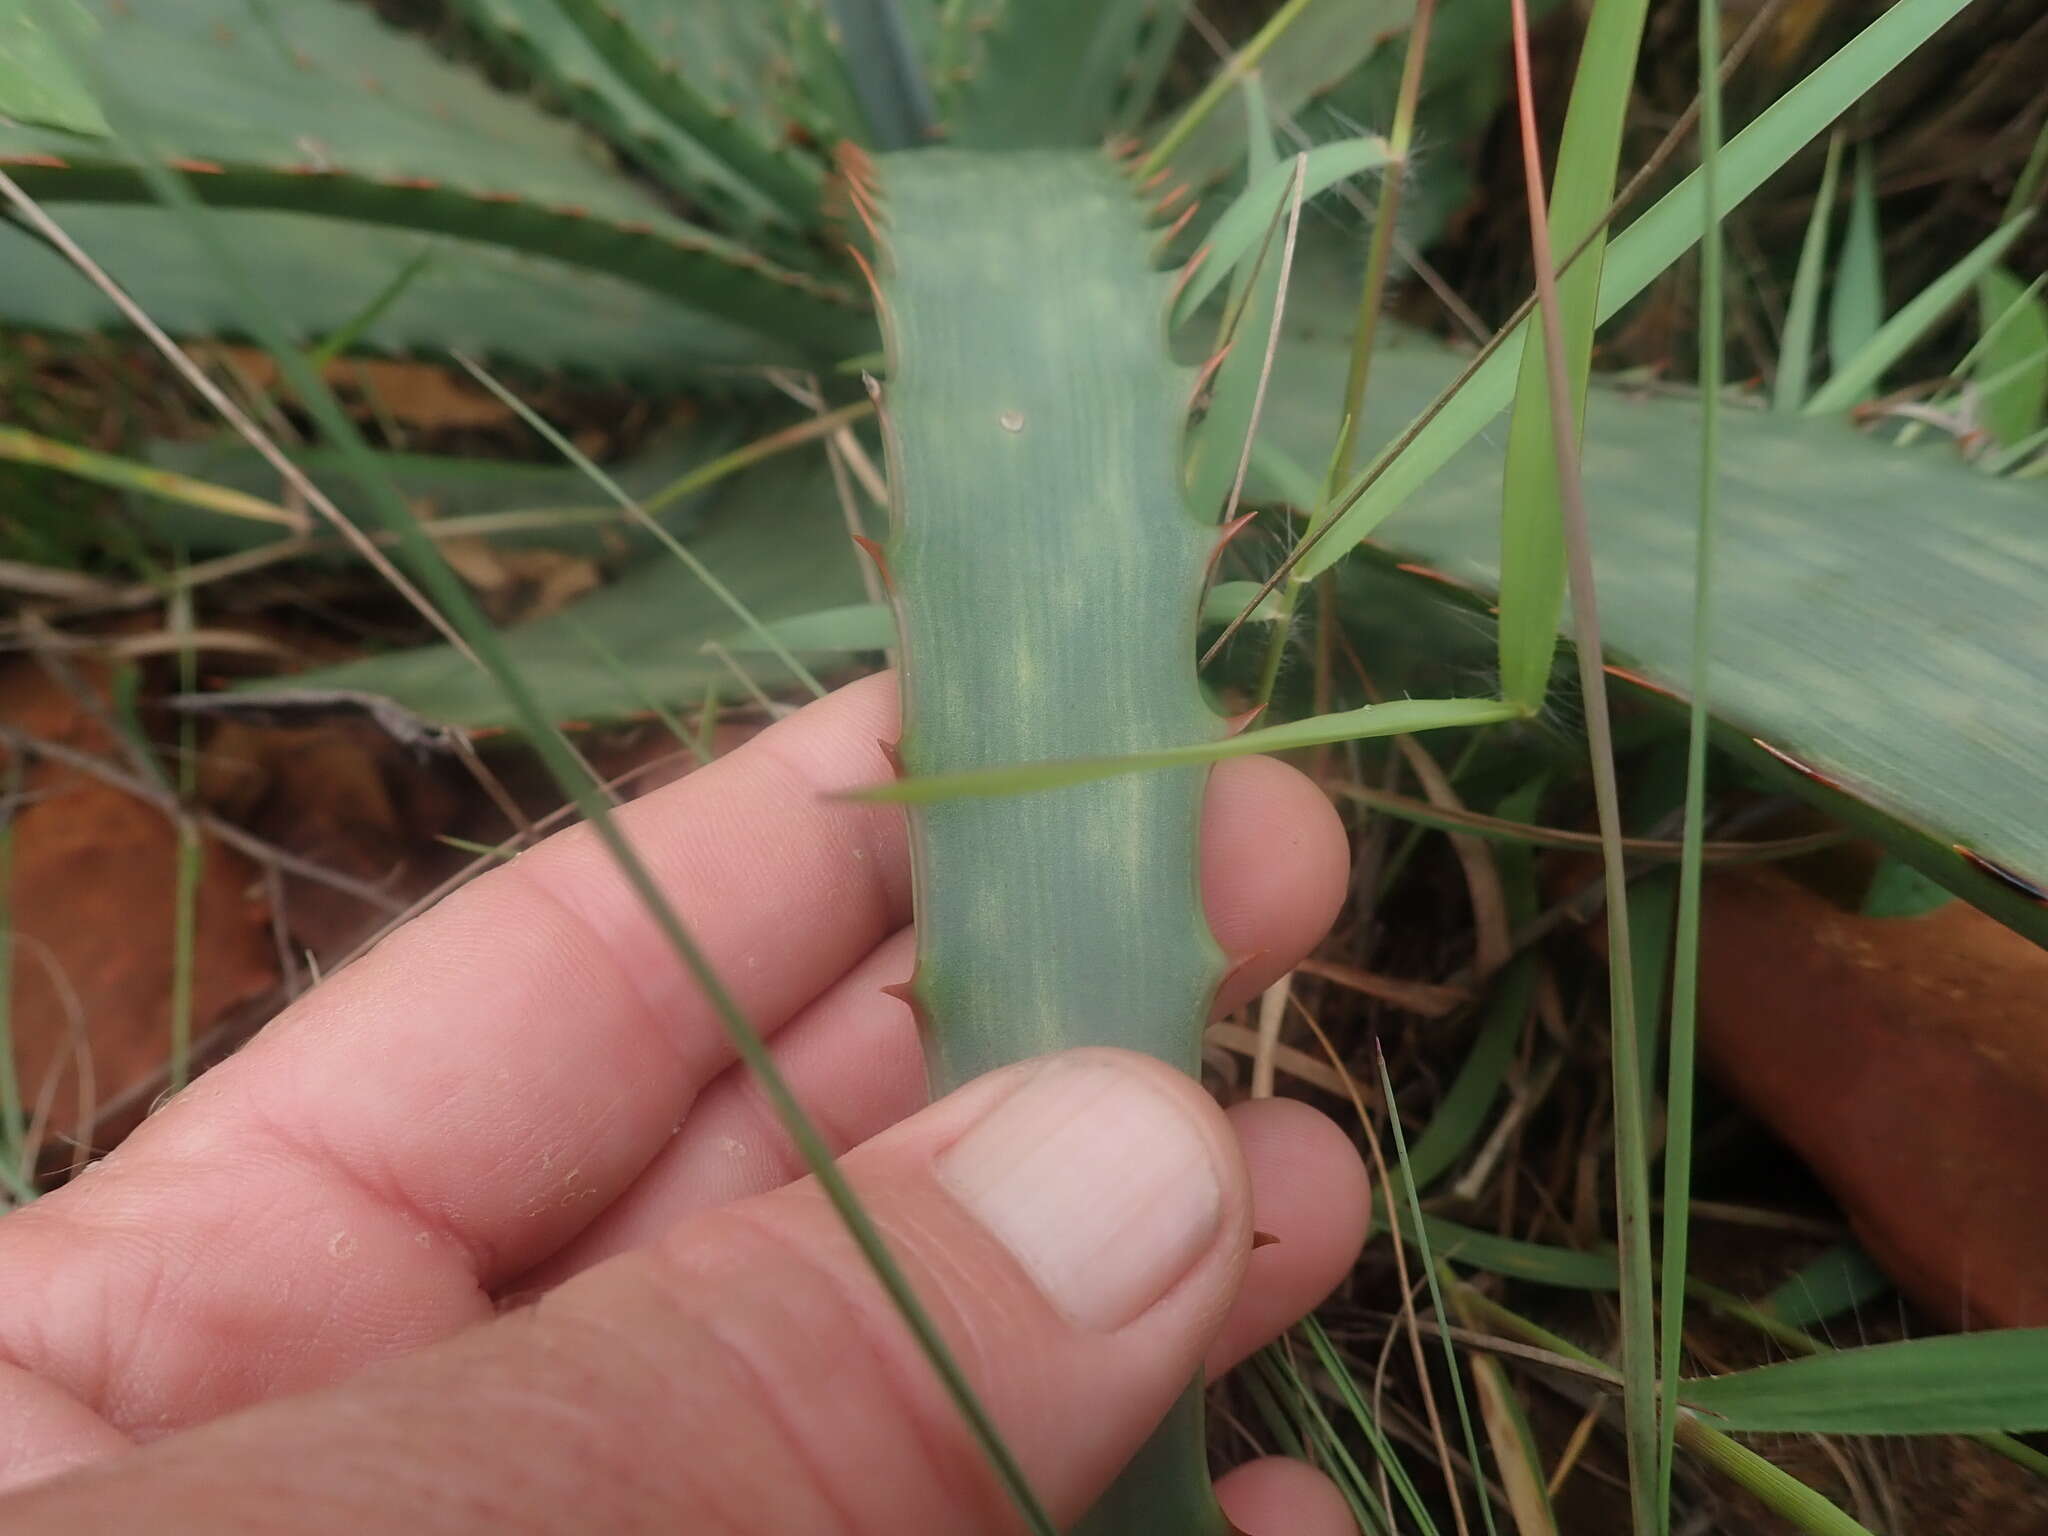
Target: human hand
(489,1232)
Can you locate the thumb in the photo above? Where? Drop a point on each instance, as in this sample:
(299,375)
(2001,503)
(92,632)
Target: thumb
(1075,1227)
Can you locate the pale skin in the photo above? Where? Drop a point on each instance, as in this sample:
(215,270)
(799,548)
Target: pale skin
(489,1232)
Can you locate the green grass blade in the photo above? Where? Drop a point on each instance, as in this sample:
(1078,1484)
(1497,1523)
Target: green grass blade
(1857,376)
(1397,717)
(1532,546)
(1856,311)
(1517,1259)
(1640,253)
(872,627)
(1802,313)
(347,335)
(1436,1300)
(1678,1093)
(23,447)
(1952,1384)
(1238,231)
(1362,1416)
(2015,330)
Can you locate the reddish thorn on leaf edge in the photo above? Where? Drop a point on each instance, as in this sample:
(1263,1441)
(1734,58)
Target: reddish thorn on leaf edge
(876,553)
(1262,1239)
(2005,877)
(1207,375)
(1182,278)
(1226,533)
(1235,725)
(1803,769)
(1647,684)
(892,753)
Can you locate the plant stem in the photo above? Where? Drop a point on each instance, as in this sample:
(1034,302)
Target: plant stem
(1372,293)
(1678,1093)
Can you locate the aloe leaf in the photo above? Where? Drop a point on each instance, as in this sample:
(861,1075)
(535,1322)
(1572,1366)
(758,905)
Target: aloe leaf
(324,273)
(1953,1384)
(1050,73)
(37,83)
(325,110)
(1640,253)
(1038,531)
(590,54)
(774,536)
(1876,670)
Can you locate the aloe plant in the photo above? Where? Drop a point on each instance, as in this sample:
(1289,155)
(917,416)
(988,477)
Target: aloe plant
(1047,556)
(1060,476)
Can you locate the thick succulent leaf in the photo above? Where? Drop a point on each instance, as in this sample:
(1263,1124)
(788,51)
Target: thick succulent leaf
(1046,574)
(633,86)
(37,84)
(775,537)
(321,273)
(1877,609)
(322,109)
(1053,72)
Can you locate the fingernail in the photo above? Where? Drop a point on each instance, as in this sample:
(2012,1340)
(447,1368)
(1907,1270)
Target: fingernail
(1099,1182)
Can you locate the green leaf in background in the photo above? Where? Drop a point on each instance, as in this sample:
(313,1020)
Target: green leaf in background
(1244,223)
(323,108)
(1900,890)
(1050,73)
(1843,1277)
(37,84)
(1883,648)
(1856,377)
(1802,312)
(775,536)
(1532,544)
(1644,250)
(631,84)
(1321,46)
(483,300)
(1955,1384)
(1857,309)
(2016,409)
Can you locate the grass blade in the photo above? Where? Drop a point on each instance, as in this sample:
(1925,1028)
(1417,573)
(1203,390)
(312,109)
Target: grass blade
(2015,329)
(1857,310)
(1397,717)
(1544,535)
(1802,313)
(1532,550)
(1254,210)
(1641,252)
(1678,1092)
(1960,1383)
(1855,377)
